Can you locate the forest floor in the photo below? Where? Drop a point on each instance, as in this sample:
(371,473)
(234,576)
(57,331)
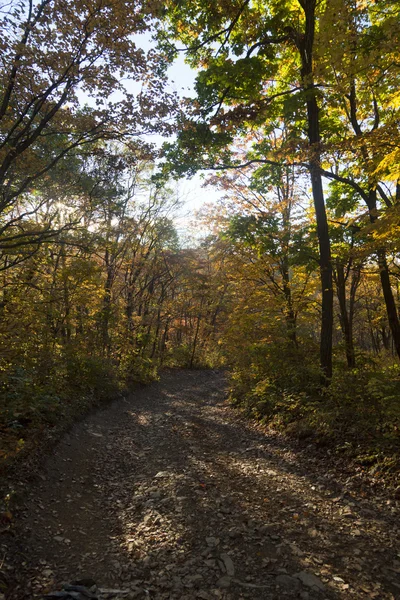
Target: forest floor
(171,494)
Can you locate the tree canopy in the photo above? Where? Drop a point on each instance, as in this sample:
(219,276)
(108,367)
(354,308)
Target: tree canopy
(294,287)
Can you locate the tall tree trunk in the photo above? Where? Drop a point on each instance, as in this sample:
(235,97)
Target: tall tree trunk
(390,303)
(106,308)
(385,337)
(67,302)
(371,201)
(305,45)
(290,314)
(164,340)
(196,335)
(374,341)
(345,321)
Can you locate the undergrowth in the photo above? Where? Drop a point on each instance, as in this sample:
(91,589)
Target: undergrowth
(46,392)
(357,415)
(38,398)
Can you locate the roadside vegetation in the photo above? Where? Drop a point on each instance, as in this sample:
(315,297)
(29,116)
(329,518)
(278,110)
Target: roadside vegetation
(295,287)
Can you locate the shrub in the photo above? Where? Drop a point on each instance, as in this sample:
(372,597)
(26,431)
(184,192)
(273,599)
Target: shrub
(358,413)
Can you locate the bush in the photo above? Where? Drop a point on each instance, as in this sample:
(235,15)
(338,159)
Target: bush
(137,369)
(270,376)
(206,357)
(93,376)
(359,413)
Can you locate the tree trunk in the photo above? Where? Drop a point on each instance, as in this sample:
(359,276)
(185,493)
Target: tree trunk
(390,302)
(290,314)
(305,45)
(196,336)
(384,275)
(67,302)
(371,201)
(345,321)
(106,308)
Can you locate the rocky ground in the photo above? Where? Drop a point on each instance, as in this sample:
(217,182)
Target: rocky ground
(169,494)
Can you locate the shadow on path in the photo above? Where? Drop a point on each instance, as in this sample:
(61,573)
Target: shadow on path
(170,495)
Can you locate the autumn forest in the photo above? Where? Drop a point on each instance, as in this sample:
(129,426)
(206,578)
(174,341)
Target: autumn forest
(290,281)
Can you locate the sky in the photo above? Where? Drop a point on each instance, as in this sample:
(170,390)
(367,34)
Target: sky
(191,192)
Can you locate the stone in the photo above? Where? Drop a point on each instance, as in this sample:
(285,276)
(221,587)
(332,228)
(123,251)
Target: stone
(228,563)
(267,527)
(210,563)
(203,595)
(224,582)
(288,582)
(147,519)
(310,580)
(80,590)
(48,572)
(177,582)
(112,592)
(212,541)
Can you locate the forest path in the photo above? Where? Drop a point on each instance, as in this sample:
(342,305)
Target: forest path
(171,494)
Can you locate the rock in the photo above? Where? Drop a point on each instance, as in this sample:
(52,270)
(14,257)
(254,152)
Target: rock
(111,592)
(224,582)
(225,510)
(267,527)
(48,573)
(310,580)
(211,562)
(85,581)
(147,519)
(288,582)
(228,563)
(347,512)
(203,595)
(81,590)
(212,541)
(58,538)
(234,533)
(72,592)
(177,582)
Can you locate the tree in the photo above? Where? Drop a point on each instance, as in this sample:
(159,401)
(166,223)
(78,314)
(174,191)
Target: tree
(268,224)
(56,55)
(365,108)
(252,57)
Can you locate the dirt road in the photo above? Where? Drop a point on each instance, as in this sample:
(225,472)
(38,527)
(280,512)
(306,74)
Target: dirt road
(169,494)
